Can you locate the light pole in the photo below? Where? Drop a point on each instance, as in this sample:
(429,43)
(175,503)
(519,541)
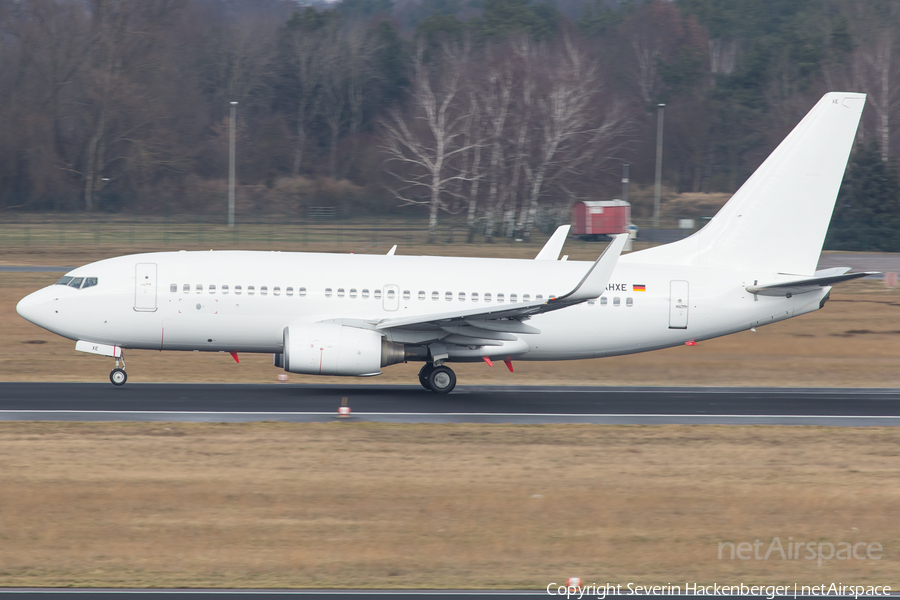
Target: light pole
(231,168)
(625,181)
(659,140)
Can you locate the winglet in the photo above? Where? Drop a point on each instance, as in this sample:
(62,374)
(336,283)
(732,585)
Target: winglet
(595,280)
(392,250)
(554,245)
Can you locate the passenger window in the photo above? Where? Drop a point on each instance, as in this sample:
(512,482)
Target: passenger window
(225,289)
(353,292)
(406,294)
(377,294)
(186,289)
(391,294)
(173,288)
(462,296)
(289,291)
(365,293)
(629,301)
(616,301)
(513,298)
(448,296)
(340,292)
(89,282)
(435,295)
(474,296)
(421,294)
(251,290)
(212,288)
(199,288)
(602,300)
(539,297)
(499,297)
(263,290)
(301,292)
(76,282)
(64,281)
(487,296)
(328,292)
(276,291)
(237,290)
(592,302)
(526,297)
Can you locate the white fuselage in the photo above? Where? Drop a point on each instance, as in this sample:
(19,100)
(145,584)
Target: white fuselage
(166,301)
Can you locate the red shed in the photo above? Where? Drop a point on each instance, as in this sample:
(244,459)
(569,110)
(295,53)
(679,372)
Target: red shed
(595,218)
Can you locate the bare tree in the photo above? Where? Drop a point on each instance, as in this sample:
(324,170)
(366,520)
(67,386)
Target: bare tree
(571,133)
(334,80)
(496,92)
(308,65)
(423,145)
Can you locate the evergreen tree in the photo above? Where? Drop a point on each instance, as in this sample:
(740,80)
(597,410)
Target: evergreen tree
(867,213)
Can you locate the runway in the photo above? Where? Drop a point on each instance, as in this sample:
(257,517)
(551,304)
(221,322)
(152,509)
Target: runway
(467,404)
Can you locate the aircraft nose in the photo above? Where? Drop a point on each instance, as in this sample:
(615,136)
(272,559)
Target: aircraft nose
(29,307)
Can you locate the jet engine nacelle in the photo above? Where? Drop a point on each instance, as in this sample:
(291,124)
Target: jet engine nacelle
(334,349)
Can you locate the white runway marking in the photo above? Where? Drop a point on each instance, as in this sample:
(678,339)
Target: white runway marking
(448,417)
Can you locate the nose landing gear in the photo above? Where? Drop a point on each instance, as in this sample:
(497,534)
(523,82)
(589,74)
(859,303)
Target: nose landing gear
(118,376)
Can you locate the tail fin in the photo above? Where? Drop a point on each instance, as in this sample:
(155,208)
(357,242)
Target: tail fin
(776,222)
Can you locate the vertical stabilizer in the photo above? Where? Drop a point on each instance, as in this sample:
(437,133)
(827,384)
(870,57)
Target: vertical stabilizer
(776,222)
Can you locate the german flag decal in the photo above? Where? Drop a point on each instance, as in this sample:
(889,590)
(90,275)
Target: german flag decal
(638,287)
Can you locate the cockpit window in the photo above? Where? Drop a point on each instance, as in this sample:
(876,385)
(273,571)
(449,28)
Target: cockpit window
(78,282)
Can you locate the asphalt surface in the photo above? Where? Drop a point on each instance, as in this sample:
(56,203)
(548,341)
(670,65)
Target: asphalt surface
(861,261)
(33,269)
(467,404)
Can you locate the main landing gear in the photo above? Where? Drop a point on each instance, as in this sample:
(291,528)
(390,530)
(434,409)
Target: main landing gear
(118,376)
(440,379)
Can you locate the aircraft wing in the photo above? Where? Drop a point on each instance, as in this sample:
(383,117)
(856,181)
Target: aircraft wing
(494,324)
(820,279)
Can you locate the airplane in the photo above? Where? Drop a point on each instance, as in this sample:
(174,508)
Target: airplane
(753,264)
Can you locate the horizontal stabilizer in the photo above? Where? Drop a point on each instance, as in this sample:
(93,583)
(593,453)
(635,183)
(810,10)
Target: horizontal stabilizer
(802,286)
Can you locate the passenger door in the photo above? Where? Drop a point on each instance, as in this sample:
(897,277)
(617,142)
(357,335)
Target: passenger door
(145,287)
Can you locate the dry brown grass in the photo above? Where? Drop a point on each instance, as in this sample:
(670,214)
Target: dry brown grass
(447,506)
(853,342)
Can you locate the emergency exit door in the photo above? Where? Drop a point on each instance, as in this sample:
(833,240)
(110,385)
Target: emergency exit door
(145,287)
(678,304)
(391,297)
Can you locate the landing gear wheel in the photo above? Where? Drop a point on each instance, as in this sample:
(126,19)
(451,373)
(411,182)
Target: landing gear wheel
(118,376)
(442,380)
(424,372)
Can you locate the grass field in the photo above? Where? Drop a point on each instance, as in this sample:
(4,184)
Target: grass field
(437,506)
